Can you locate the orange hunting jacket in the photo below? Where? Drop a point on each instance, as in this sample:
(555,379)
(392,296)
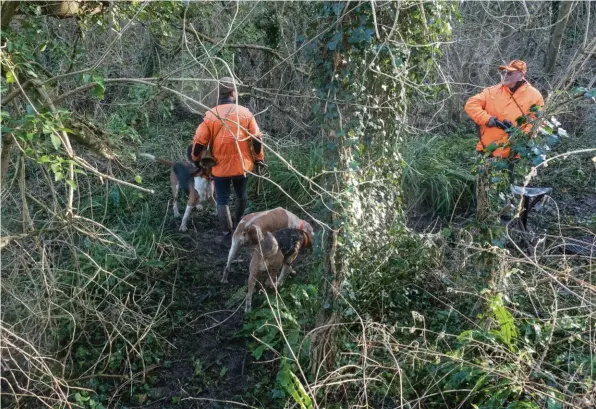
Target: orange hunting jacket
(498,101)
(222,127)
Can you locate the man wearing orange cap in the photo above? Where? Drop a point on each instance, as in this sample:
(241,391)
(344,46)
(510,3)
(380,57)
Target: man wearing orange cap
(236,142)
(504,102)
(496,105)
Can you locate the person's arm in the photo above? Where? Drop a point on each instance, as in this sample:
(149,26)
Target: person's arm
(200,140)
(475,108)
(255,133)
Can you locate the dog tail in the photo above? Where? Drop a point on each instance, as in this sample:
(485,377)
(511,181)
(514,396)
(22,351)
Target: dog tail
(183,174)
(154,159)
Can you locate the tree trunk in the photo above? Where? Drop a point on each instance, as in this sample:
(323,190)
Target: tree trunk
(8,10)
(5,154)
(557,36)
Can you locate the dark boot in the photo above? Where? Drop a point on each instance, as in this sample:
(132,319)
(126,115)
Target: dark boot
(225,221)
(239,211)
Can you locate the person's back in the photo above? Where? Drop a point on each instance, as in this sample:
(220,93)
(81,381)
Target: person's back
(233,127)
(235,140)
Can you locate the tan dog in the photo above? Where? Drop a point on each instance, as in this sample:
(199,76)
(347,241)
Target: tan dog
(276,251)
(195,182)
(253,227)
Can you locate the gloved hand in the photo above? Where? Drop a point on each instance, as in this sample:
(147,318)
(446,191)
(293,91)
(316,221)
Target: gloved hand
(260,167)
(507,123)
(492,122)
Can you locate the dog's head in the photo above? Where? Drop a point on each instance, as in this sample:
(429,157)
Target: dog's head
(252,235)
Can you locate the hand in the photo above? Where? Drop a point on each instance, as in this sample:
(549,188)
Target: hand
(508,124)
(492,122)
(259,166)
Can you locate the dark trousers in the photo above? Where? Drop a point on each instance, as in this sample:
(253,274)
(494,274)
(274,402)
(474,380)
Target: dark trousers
(222,188)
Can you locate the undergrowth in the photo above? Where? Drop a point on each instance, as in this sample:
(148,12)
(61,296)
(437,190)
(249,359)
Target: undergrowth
(437,176)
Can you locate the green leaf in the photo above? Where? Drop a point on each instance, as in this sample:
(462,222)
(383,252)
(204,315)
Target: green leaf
(223,371)
(86,78)
(9,77)
(55,140)
(175,400)
(72,184)
(98,79)
(197,367)
(138,179)
(258,352)
(98,91)
(58,176)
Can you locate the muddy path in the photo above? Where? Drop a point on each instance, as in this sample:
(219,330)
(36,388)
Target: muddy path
(208,364)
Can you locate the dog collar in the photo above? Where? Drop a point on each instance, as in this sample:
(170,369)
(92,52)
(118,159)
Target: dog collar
(305,239)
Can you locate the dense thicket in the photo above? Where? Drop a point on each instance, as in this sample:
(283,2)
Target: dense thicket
(405,301)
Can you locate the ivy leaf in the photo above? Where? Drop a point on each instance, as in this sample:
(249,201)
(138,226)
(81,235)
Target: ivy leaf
(86,78)
(98,91)
(72,184)
(9,77)
(138,179)
(55,141)
(578,90)
(332,45)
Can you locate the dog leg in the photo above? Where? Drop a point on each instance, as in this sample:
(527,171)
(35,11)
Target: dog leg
(252,280)
(175,205)
(185,218)
(282,276)
(231,255)
(256,266)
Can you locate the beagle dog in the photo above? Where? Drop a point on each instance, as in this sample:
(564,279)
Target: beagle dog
(196,182)
(276,251)
(254,226)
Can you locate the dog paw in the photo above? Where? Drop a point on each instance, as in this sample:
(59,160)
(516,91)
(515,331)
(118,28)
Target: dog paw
(176,215)
(224,280)
(183,228)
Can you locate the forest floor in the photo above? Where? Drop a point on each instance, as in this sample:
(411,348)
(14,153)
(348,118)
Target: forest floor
(207,365)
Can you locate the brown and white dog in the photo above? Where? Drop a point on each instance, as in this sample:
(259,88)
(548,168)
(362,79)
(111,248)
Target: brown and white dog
(253,228)
(276,251)
(195,182)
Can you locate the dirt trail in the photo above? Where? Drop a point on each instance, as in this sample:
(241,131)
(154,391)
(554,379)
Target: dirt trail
(207,366)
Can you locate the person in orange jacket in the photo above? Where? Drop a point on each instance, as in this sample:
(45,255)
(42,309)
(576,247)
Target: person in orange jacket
(503,102)
(236,143)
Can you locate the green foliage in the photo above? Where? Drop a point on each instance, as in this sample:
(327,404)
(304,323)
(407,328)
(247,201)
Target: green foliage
(284,173)
(293,386)
(437,173)
(279,328)
(507,330)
